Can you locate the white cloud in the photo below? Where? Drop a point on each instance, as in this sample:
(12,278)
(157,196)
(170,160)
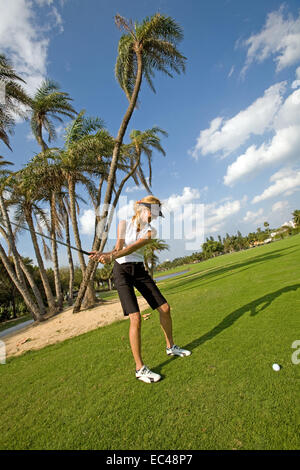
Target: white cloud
(176,202)
(283,147)
(216,214)
(41,3)
(286,182)
(231,71)
(24,40)
(289,113)
(296,83)
(227,135)
(280,206)
(279,38)
(87,222)
(253,216)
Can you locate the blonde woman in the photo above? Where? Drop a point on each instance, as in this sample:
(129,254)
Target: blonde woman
(129,272)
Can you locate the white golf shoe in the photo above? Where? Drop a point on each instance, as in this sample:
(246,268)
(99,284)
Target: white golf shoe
(177,351)
(146,375)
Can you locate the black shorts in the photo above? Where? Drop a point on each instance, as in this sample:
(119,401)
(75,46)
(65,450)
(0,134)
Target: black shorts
(130,275)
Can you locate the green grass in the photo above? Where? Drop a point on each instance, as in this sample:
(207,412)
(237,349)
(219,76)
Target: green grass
(238,314)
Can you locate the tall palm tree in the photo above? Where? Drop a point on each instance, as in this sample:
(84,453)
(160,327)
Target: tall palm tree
(80,156)
(51,182)
(47,104)
(64,212)
(16,99)
(144,48)
(26,196)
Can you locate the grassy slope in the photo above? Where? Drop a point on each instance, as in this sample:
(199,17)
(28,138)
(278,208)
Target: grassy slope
(238,314)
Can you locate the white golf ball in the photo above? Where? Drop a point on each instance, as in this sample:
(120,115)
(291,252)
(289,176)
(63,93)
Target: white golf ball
(276,367)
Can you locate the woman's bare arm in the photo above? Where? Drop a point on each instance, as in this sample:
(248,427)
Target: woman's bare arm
(119,251)
(134,246)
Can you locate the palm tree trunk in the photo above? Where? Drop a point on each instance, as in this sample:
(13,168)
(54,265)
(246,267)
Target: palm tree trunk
(33,286)
(59,295)
(152,265)
(45,281)
(71,188)
(70,259)
(39,137)
(33,308)
(90,290)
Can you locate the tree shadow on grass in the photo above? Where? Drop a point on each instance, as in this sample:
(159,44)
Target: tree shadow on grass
(185,282)
(254,307)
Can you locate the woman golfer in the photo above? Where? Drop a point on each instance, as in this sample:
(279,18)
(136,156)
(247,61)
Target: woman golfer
(129,272)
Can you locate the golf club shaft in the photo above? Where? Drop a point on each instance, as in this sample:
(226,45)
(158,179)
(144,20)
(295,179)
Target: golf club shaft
(57,241)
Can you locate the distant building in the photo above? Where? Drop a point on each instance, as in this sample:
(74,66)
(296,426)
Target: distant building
(291,223)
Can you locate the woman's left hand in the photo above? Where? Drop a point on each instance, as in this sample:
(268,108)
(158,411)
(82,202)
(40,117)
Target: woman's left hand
(105,258)
(95,255)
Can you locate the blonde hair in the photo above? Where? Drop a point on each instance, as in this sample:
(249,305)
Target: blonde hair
(138,208)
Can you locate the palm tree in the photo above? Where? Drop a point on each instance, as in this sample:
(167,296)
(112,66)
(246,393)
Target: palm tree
(64,210)
(296,217)
(81,155)
(149,255)
(49,103)
(26,193)
(51,182)
(144,48)
(15,97)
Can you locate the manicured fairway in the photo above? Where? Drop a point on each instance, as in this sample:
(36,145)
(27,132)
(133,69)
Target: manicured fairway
(238,314)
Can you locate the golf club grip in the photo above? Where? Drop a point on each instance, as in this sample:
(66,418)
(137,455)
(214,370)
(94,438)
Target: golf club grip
(85,252)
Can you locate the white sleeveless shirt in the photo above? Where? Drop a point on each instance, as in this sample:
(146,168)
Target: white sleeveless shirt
(131,236)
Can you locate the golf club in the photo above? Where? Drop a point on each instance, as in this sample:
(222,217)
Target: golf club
(57,241)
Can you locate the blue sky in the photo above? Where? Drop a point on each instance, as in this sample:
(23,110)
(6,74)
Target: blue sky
(233,118)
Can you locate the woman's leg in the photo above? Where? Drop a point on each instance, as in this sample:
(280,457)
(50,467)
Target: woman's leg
(135,338)
(166,323)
